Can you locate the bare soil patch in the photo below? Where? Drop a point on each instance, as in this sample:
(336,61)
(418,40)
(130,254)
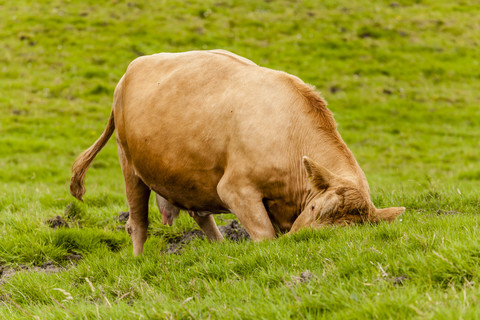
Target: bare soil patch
(447,212)
(234,231)
(123,216)
(400,280)
(6,272)
(231,231)
(304,277)
(57,222)
(176,244)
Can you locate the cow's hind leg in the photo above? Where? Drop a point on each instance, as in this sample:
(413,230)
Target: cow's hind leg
(137,196)
(208,226)
(246,202)
(205,222)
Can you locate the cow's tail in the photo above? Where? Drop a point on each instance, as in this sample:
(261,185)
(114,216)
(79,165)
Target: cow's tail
(83,162)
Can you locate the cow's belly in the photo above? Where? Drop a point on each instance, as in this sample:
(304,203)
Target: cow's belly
(183,181)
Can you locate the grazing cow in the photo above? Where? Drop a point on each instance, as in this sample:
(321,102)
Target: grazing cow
(212,132)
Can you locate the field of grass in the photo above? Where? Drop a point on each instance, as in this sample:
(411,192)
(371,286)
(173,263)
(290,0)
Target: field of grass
(402,78)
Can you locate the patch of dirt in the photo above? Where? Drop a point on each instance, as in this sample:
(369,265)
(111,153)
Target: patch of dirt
(396,281)
(365,34)
(7,272)
(445,212)
(48,266)
(335,89)
(123,216)
(234,231)
(400,280)
(192,234)
(57,222)
(176,244)
(231,231)
(73,257)
(304,277)
(18,112)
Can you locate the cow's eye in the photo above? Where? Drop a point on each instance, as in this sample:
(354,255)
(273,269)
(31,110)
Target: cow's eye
(313,207)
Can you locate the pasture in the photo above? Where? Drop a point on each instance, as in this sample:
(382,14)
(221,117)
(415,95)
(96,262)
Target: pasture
(402,79)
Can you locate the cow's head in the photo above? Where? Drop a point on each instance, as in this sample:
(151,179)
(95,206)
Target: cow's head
(338,201)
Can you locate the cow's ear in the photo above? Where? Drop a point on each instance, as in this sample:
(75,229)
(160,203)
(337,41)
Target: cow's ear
(321,177)
(387,214)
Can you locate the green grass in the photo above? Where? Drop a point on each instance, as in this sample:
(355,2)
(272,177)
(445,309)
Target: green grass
(402,79)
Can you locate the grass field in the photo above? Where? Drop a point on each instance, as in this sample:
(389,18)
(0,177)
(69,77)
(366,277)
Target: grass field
(402,79)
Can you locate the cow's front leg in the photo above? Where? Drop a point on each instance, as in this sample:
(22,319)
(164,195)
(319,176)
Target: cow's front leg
(246,202)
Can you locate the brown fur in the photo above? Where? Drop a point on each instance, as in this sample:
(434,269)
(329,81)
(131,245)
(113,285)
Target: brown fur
(316,102)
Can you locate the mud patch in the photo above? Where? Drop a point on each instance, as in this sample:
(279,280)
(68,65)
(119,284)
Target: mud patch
(335,88)
(57,222)
(176,244)
(73,257)
(231,231)
(7,272)
(400,280)
(48,266)
(123,216)
(305,276)
(396,281)
(234,231)
(445,212)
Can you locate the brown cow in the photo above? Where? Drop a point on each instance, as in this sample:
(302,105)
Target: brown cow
(212,132)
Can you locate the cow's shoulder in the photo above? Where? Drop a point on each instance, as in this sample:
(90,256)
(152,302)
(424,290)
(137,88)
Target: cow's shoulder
(313,101)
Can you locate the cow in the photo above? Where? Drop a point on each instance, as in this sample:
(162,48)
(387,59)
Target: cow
(212,132)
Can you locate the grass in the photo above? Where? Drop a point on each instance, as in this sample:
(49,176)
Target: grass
(401,78)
